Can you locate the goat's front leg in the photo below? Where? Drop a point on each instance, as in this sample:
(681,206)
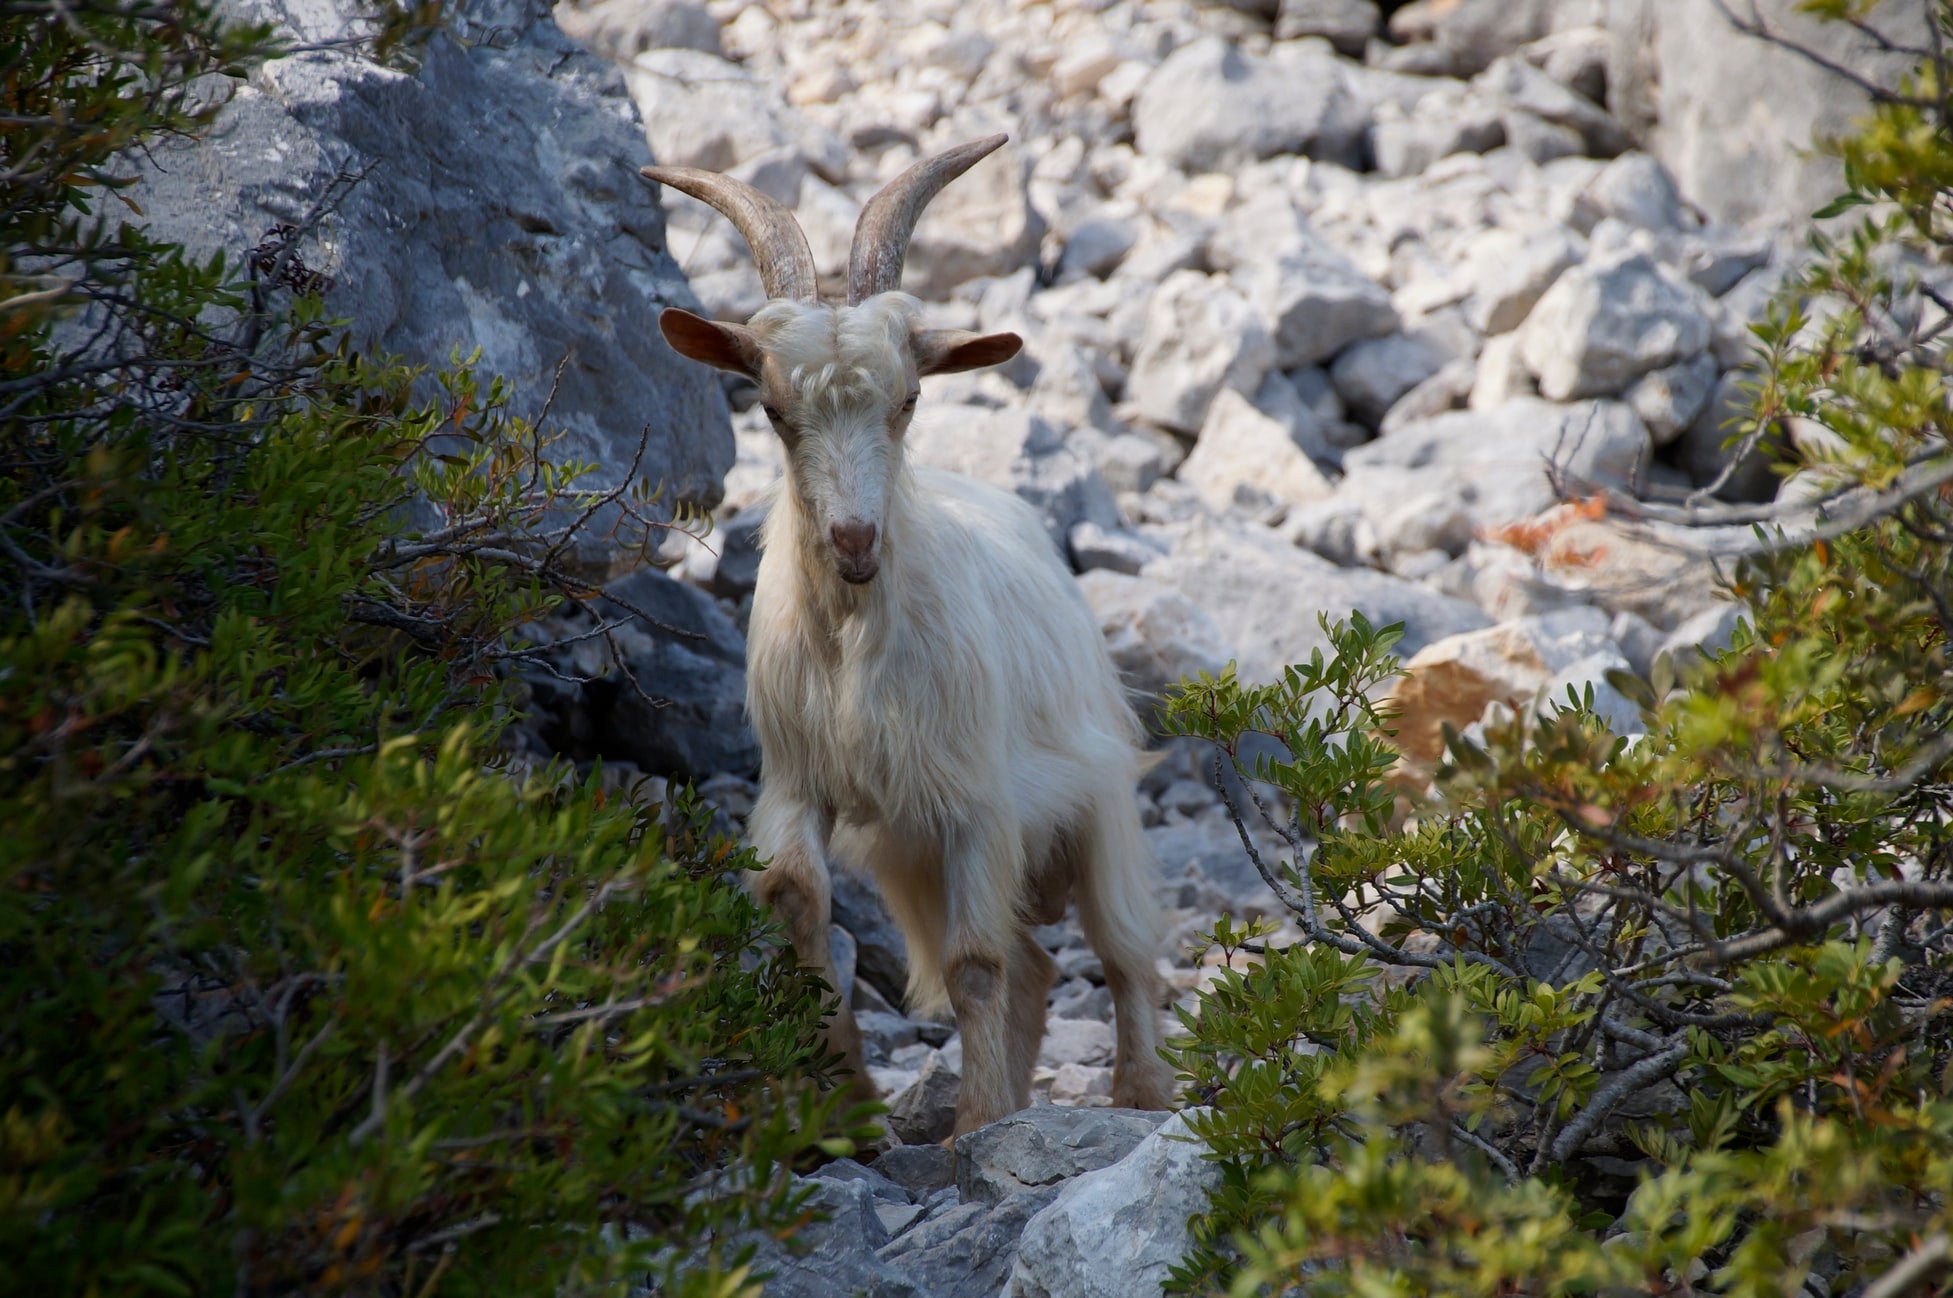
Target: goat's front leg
(982,871)
(792,838)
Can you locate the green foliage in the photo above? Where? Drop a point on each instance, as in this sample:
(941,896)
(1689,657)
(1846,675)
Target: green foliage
(1668,1015)
(312,987)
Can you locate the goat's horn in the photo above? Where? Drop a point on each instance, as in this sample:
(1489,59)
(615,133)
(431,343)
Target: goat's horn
(881,236)
(780,250)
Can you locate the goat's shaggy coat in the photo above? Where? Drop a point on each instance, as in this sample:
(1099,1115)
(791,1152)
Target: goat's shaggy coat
(933,701)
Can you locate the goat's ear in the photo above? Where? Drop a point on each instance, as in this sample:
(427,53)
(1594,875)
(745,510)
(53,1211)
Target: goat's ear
(950,351)
(722,346)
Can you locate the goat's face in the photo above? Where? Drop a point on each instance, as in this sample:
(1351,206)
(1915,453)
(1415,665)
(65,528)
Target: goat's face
(839,384)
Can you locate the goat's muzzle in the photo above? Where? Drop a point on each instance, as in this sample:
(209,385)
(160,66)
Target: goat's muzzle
(854,551)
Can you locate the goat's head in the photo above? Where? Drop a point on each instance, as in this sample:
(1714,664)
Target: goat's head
(838,382)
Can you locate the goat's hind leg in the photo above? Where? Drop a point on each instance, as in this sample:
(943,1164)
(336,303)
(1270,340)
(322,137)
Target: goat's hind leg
(795,887)
(1113,884)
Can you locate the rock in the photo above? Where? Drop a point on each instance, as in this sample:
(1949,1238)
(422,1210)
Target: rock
(1528,93)
(1510,270)
(925,1113)
(1313,300)
(669,697)
(1448,389)
(1501,374)
(700,110)
(1243,458)
(1602,326)
(983,225)
(735,569)
(1265,596)
(1210,107)
(1472,33)
(1117,1232)
(1700,449)
(1633,188)
(1016,450)
(1734,116)
(1096,247)
(881,953)
(1576,57)
(1155,634)
(619,30)
(1494,462)
(1338,530)
(1448,120)
(1346,24)
(1371,375)
(841,950)
(963,1251)
(1134,461)
(1281,400)
(1116,550)
(835,1250)
(1075,1041)
(920,1169)
(530,245)
(1200,336)
(1078,1084)
(1668,400)
(1708,632)
(1451,681)
(1039,1147)
(1718,257)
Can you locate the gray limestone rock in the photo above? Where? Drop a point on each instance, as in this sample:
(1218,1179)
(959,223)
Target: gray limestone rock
(1264,596)
(497,205)
(1211,106)
(1042,1146)
(1117,1232)
(1601,326)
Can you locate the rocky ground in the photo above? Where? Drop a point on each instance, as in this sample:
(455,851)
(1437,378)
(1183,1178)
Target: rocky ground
(1321,313)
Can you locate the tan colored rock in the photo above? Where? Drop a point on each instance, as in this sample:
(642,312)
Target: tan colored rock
(1452,681)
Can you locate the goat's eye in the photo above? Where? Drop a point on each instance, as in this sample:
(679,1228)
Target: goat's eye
(774,415)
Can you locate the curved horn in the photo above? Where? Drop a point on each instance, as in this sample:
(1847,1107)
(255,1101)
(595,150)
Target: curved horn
(881,236)
(780,250)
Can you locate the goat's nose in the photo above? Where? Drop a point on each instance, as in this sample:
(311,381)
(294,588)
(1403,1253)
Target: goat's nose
(853,540)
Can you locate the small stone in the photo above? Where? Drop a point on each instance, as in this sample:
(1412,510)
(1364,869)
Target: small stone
(926,1111)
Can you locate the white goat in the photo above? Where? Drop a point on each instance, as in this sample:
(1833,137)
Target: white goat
(930,690)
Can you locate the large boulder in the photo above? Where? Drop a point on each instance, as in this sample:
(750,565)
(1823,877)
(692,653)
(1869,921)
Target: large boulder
(1734,116)
(497,206)
(1117,1232)
(1212,106)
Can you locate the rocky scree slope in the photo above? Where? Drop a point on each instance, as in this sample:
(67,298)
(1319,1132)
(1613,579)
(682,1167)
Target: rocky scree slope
(1316,308)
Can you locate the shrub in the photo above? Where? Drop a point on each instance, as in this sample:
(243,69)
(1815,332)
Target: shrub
(311,987)
(1659,1015)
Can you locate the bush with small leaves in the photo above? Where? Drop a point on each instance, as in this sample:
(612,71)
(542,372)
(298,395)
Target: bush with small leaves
(1662,1013)
(311,985)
